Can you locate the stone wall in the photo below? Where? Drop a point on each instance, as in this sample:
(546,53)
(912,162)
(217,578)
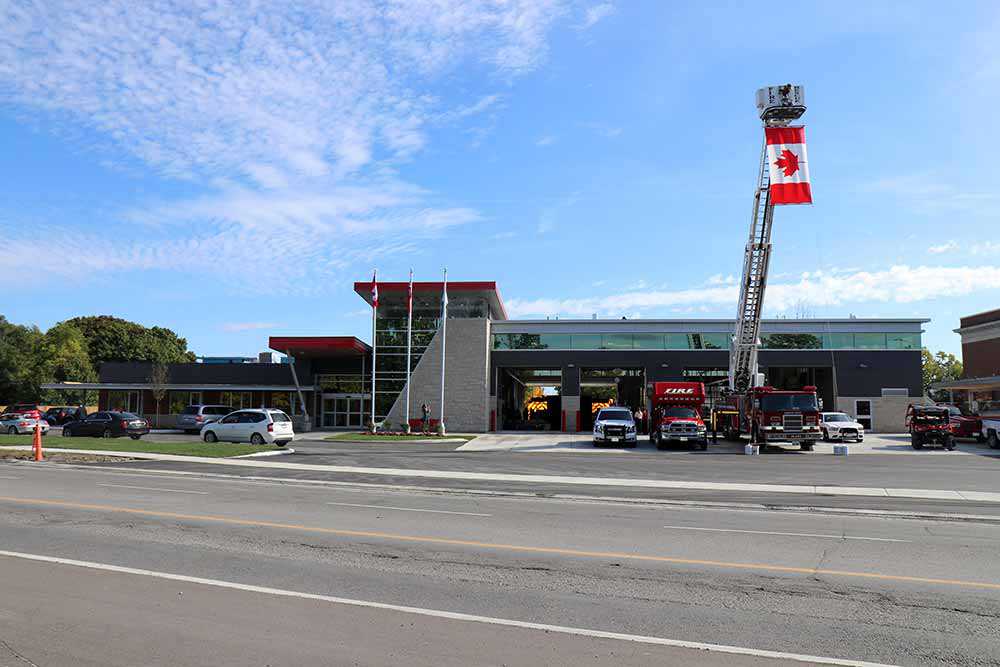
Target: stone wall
(466,393)
(888,412)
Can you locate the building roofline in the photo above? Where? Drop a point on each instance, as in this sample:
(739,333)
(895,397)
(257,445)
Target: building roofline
(318,344)
(363,289)
(674,320)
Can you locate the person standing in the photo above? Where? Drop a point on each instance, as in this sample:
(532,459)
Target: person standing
(425,415)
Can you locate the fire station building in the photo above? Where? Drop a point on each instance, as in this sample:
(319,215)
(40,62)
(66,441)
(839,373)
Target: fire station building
(519,374)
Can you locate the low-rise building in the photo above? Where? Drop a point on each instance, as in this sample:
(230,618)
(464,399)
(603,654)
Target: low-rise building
(979,386)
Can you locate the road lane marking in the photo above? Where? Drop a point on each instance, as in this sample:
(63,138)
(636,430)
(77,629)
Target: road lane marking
(768,532)
(150,488)
(407,509)
(518,548)
(449,615)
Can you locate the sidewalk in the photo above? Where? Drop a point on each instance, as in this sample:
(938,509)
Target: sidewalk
(573,481)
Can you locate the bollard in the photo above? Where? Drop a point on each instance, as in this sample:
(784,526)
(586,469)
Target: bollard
(751,450)
(840,450)
(36,443)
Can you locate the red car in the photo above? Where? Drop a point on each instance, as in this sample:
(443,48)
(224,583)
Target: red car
(964,423)
(27,409)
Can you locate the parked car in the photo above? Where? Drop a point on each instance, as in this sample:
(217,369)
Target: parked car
(991,431)
(194,417)
(929,424)
(107,424)
(14,424)
(59,415)
(964,422)
(614,425)
(30,409)
(839,426)
(257,426)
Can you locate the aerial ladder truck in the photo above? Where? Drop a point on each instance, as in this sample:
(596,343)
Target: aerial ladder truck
(745,406)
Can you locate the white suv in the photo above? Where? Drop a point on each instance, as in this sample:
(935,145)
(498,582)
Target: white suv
(258,427)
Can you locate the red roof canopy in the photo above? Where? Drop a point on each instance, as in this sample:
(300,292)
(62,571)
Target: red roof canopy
(319,346)
(485,288)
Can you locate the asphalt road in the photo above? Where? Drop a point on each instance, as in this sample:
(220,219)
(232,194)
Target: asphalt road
(890,591)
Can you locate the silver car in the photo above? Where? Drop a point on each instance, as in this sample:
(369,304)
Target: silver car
(13,424)
(194,417)
(614,425)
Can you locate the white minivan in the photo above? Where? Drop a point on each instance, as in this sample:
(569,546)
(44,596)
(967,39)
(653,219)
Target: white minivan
(258,427)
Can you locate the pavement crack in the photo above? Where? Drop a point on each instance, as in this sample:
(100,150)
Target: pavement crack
(17,655)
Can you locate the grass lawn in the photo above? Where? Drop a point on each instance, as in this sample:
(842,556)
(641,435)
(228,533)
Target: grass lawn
(217,450)
(392,437)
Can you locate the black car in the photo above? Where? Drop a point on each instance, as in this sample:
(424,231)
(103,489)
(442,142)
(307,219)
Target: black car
(57,416)
(106,424)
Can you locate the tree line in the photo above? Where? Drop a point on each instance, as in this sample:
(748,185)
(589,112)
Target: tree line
(72,351)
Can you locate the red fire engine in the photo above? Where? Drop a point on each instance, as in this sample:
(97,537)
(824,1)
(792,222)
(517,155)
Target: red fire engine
(771,416)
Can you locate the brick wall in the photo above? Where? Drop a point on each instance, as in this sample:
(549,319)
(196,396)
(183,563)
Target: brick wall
(981,358)
(466,393)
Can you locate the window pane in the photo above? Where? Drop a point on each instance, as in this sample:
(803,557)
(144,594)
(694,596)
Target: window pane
(616,341)
(792,341)
(869,341)
(903,341)
(556,341)
(643,341)
(586,341)
(715,341)
(839,341)
(676,341)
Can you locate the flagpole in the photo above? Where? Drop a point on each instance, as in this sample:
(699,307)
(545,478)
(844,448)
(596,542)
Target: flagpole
(409,337)
(374,340)
(444,339)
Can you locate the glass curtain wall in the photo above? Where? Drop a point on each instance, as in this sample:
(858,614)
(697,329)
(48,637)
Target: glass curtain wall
(390,337)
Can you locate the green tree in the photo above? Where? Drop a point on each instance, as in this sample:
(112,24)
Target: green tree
(113,339)
(19,371)
(63,356)
(939,367)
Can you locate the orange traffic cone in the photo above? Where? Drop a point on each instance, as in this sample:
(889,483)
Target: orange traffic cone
(36,444)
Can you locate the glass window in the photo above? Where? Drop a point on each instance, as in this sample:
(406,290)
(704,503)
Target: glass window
(616,341)
(869,341)
(676,341)
(791,341)
(281,400)
(556,341)
(715,341)
(178,401)
(645,341)
(190,410)
(502,342)
(838,341)
(903,341)
(778,402)
(279,417)
(586,341)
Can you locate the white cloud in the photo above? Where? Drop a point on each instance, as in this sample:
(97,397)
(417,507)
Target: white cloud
(947,246)
(546,140)
(897,284)
(289,117)
(603,129)
(929,194)
(595,14)
(249,326)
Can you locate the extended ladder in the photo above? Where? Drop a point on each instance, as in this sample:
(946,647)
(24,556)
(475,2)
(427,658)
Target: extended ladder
(743,348)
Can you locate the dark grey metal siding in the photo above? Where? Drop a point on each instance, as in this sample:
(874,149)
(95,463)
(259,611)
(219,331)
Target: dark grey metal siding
(209,374)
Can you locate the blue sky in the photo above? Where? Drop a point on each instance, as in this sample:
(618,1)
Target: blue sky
(229,172)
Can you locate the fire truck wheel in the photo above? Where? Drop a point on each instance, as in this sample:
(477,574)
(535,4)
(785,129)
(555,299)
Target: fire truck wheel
(703,445)
(807,446)
(915,441)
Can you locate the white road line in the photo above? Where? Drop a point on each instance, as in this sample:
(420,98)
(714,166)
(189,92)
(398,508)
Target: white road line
(150,488)
(407,509)
(767,532)
(450,615)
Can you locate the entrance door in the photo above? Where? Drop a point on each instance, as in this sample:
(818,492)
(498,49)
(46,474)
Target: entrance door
(863,413)
(343,410)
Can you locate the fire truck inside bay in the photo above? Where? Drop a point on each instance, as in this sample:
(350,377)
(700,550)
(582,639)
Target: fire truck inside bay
(745,406)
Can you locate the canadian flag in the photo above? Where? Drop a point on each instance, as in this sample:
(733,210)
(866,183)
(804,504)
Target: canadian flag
(788,165)
(374,290)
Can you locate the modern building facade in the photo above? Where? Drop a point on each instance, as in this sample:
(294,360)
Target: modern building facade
(504,374)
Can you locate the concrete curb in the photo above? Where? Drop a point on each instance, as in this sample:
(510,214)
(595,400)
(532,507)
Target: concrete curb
(428,441)
(150,456)
(566,497)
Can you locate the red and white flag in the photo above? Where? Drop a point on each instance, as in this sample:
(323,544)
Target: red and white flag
(789,167)
(374,290)
(409,294)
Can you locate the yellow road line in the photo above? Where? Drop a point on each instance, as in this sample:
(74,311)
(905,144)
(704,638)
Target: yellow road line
(500,546)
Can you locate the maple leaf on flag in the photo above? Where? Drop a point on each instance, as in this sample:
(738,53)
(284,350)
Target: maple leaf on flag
(788,161)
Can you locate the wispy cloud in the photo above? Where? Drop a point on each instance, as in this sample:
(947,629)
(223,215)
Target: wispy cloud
(928,193)
(595,14)
(289,117)
(947,246)
(546,140)
(897,284)
(603,129)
